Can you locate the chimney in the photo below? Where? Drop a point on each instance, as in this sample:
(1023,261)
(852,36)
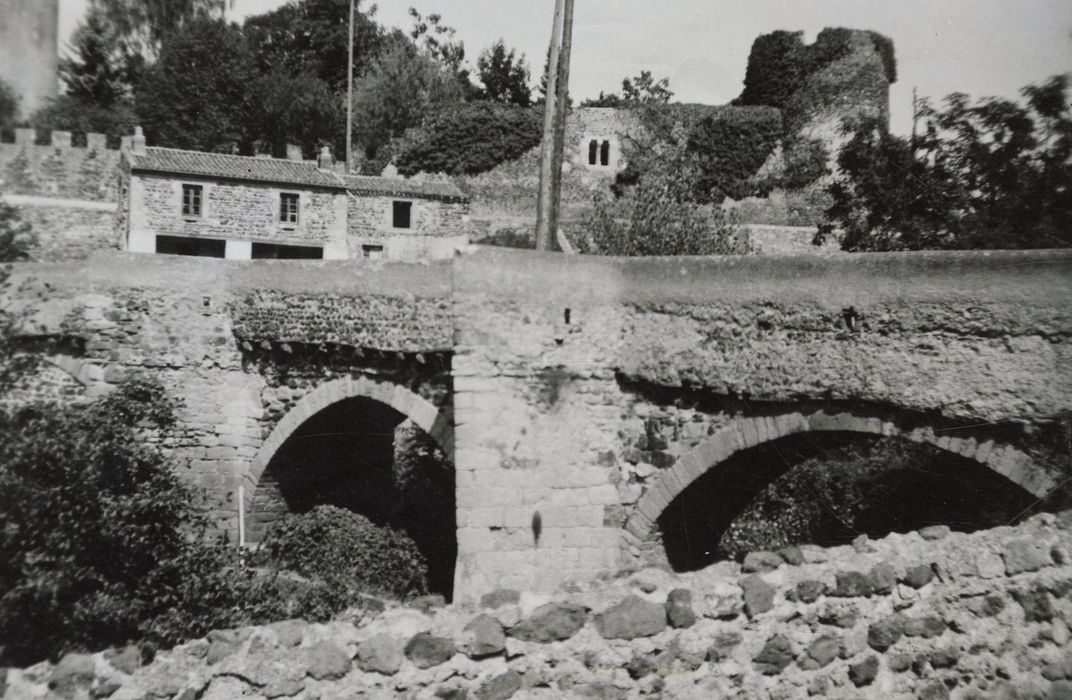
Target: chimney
(324,161)
(294,152)
(137,144)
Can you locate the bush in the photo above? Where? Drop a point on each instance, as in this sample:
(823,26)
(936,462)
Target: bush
(347,551)
(91,513)
(470,139)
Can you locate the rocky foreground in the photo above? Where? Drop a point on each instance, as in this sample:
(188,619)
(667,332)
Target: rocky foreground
(928,614)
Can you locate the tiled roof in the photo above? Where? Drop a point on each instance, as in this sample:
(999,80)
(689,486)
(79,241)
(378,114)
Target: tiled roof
(196,163)
(399,187)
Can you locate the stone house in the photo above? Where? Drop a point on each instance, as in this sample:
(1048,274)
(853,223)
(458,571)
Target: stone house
(239,207)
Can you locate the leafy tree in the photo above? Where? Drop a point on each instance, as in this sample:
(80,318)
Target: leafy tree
(310,38)
(16,235)
(197,94)
(9,107)
(143,24)
(988,174)
(436,40)
(642,89)
(504,75)
(295,110)
(402,87)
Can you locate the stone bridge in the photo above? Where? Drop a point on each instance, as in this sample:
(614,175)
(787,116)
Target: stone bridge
(578,396)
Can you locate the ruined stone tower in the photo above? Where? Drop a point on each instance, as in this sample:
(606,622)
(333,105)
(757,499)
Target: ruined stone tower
(29,43)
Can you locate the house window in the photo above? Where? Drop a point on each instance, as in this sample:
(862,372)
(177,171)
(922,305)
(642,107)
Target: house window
(191,200)
(288,208)
(402,214)
(199,247)
(593,151)
(275,251)
(604,153)
(372,252)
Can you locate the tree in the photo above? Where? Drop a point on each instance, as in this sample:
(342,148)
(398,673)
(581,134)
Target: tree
(197,95)
(294,110)
(98,80)
(310,38)
(402,87)
(436,40)
(9,107)
(504,75)
(143,24)
(988,174)
(642,89)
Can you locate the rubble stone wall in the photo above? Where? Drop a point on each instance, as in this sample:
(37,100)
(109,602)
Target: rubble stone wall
(924,614)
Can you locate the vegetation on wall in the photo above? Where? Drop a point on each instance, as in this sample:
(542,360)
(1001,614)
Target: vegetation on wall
(729,148)
(780,63)
(991,173)
(470,139)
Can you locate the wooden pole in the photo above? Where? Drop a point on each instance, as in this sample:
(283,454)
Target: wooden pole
(350,96)
(554,127)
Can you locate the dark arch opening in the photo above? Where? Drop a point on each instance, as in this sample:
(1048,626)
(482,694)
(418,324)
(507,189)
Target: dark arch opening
(362,455)
(827,489)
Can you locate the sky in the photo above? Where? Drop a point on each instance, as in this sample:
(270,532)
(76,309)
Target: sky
(980,47)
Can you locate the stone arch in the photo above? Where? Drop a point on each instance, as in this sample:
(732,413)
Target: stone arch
(745,433)
(438,423)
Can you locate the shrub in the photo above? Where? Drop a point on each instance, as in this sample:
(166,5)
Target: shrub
(509,238)
(347,551)
(470,139)
(90,512)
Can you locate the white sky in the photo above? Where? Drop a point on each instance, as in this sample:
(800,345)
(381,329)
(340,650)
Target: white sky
(981,47)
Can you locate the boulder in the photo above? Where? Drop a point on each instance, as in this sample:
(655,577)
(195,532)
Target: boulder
(776,654)
(126,661)
(918,576)
(679,610)
(631,618)
(722,600)
(326,661)
(1036,605)
(883,578)
(1025,555)
(792,555)
(844,616)
(884,634)
(723,645)
(852,584)
(758,595)
(863,673)
(822,651)
(482,637)
(500,687)
(550,623)
(72,672)
(934,532)
(380,653)
(426,650)
(761,562)
(809,591)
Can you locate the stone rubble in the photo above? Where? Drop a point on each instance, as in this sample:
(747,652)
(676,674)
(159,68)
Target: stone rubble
(902,617)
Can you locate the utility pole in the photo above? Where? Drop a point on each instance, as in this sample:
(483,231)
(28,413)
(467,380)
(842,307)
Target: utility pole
(554,127)
(350,96)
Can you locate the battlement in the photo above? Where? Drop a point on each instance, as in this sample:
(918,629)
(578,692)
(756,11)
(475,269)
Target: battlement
(52,166)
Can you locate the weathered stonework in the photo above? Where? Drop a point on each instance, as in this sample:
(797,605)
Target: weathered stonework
(437,227)
(235,211)
(578,395)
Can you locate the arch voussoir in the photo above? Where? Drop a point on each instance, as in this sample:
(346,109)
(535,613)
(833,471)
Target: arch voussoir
(744,433)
